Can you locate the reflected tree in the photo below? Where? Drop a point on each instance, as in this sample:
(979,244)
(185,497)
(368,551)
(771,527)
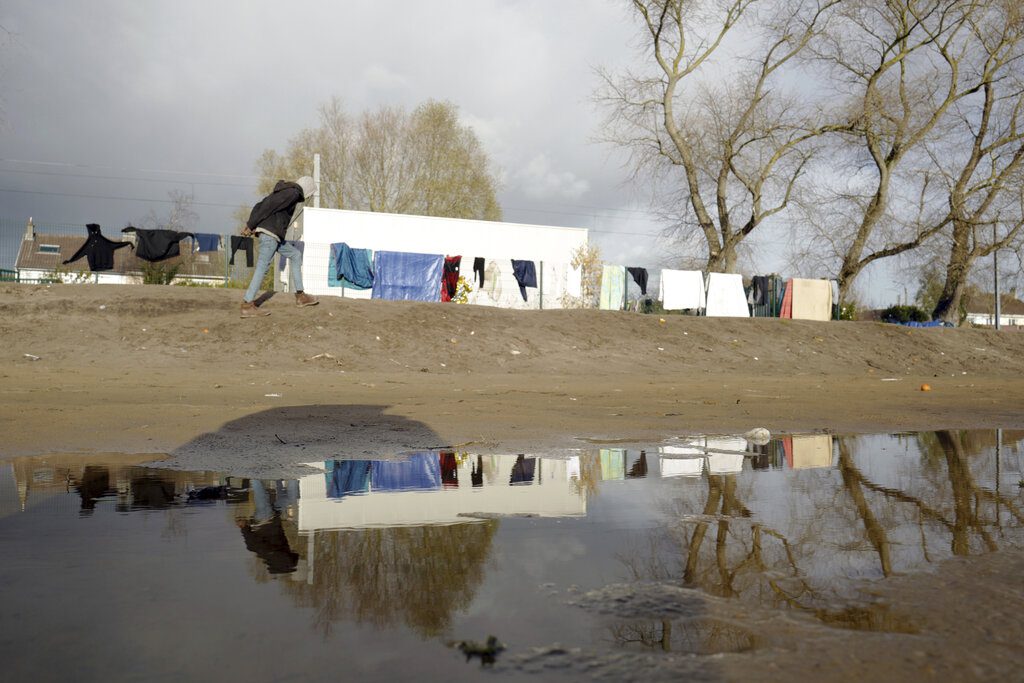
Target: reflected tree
(905,512)
(416,576)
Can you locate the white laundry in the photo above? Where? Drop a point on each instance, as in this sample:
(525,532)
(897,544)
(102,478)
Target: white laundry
(681,289)
(725,298)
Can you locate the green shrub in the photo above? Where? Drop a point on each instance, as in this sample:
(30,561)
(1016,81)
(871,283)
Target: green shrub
(158,273)
(905,314)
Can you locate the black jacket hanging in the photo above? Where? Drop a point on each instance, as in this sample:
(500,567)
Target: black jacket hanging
(243,243)
(478,269)
(97,249)
(158,245)
(640,278)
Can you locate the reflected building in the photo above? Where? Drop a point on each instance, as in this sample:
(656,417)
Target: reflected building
(421,489)
(400,541)
(45,481)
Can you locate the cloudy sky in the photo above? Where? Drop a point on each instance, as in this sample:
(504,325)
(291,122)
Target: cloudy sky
(108,105)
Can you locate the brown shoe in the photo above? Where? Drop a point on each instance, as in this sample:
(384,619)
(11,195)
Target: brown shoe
(303,299)
(251,310)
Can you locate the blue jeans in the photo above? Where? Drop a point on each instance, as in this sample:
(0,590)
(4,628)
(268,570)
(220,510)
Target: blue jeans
(268,247)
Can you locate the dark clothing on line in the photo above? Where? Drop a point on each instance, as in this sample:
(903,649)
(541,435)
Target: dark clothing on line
(478,269)
(244,243)
(207,241)
(522,470)
(476,475)
(759,290)
(158,245)
(450,277)
(526,275)
(274,212)
(97,249)
(449,470)
(639,277)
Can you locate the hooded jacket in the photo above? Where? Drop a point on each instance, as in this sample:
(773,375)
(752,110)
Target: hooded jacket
(274,212)
(97,249)
(158,245)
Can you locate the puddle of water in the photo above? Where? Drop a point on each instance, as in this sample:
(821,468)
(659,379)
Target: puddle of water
(374,569)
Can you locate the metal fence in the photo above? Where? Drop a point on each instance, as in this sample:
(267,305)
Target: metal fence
(35,252)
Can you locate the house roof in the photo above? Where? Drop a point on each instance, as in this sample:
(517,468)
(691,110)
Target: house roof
(32,255)
(983,302)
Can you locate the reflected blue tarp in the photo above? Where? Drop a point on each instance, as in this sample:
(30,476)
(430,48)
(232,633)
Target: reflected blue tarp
(347,477)
(407,276)
(420,472)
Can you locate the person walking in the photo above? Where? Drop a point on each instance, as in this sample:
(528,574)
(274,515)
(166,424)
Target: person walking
(269,221)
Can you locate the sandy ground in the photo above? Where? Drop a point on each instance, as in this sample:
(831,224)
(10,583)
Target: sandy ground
(174,372)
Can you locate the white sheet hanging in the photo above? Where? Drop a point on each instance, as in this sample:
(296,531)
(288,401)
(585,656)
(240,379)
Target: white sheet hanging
(681,289)
(812,299)
(725,296)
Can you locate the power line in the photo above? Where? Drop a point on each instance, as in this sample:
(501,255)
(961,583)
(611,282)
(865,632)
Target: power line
(122,199)
(587,209)
(68,164)
(235,206)
(144,180)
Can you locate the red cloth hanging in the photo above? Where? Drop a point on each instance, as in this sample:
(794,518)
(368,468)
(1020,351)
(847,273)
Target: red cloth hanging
(787,301)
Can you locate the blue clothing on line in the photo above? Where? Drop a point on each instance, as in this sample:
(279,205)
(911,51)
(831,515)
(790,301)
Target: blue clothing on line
(526,275)
(207,241)
(352,268)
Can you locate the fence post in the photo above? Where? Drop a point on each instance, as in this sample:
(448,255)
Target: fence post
(540,286)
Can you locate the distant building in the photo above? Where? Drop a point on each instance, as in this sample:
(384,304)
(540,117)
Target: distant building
(981,310)
(41,257)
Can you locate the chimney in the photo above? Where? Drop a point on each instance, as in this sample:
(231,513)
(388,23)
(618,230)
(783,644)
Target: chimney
(30,230)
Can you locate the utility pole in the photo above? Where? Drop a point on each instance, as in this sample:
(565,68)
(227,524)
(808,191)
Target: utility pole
(995,271)
(316,181)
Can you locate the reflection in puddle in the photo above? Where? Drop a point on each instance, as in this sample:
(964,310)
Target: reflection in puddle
(450,545)
(689,636)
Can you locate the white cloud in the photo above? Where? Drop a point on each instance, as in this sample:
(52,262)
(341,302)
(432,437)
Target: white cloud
(380,77)
(540,181)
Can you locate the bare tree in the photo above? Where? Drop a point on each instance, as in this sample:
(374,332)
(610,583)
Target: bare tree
(983,178)
(903,66)
(182,215)
(421,162)
(730,149)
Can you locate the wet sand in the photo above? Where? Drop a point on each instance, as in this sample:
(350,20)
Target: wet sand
(173,372)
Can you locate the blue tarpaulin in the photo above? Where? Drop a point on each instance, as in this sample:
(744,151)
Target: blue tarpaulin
(931,323)
(348,267)
(403,275)
(421,472)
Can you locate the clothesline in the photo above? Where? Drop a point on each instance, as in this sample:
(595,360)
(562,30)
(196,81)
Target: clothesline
(434,277)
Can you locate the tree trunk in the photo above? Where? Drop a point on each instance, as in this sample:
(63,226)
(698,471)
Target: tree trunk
(723,261)
(947,308)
